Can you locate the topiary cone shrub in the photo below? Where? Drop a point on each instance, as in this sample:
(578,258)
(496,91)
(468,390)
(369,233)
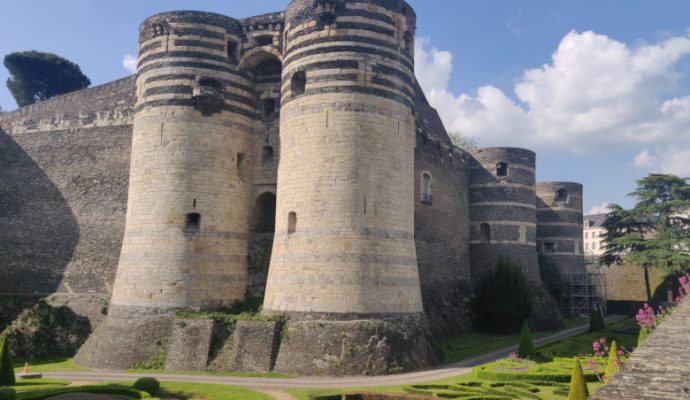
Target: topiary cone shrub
(503,300)
(613,362)
(642,337)
(6,369)
(578,386)
(147,384)
(526,349)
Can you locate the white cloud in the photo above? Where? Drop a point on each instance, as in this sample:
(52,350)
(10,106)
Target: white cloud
(130,63)
(594,93)
(599,209)
(671,159)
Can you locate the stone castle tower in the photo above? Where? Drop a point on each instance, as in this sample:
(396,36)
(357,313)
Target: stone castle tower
(345,180)
(303,134)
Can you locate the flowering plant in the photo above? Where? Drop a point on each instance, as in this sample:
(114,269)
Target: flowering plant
(649,319)
(601,353)
(684,288)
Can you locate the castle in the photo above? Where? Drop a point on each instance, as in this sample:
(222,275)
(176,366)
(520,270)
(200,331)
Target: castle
(304,132)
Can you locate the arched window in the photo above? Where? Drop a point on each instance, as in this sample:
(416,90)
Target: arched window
(292,222)
(298,83)
(265,213)
(425,189)
(502,169)
(267,155)
(485,233)
(561,196)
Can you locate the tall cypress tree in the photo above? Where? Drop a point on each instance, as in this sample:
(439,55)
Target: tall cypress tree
(6,369)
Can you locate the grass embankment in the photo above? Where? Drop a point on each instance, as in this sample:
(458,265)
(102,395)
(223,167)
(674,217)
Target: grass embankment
(49,365)
(544,378)
(475,344)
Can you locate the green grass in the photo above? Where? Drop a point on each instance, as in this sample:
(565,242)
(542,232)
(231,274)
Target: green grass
(119,389)
(39,384)
(54,364)
(207,391)
(475,344)
(582,344)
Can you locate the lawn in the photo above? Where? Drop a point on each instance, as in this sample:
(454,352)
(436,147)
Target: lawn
(545,378)
(48,365)
(475,344)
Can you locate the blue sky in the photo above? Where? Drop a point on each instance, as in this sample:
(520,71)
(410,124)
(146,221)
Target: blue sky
(600,89)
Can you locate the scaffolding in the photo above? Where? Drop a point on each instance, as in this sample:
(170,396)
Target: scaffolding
(586,285)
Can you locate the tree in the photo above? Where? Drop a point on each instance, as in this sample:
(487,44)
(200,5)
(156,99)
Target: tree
(37,76)
(578,386)
(526,349)
(6,367)
(467,143)
(656,232)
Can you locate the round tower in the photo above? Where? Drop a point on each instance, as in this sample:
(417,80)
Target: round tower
(502,211)
(188,210)
(559,224)
(344,242)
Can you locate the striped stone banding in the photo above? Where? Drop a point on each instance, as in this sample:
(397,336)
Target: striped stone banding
(190,103)
(243,128)
(392,6)
(333,279)
(392,85)
(203,234)
(183,89)
(359,50)
(506,242)
(340,38)
(155,256)
(371,233)
(191,77)
(153,45)
(201,18)
(353,89)
(500,204)
(333,78)
(488,164)
(195,65)
(199,43)
(503,222)
(197,55)
(494,185)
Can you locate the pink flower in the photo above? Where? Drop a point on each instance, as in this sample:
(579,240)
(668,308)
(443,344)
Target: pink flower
(602,340)
(620,352)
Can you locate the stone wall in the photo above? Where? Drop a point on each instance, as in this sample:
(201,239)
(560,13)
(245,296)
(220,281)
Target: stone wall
(659,368)
(442,234)
(64,166)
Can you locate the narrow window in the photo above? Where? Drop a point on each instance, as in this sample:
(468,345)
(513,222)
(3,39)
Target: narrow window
(485,233)
(268,107)
(240,163)
(232,51)
(425,188)
(192,223)
(267,155)
(211,83)
(586,235)
(549,247)
(502,169)
(561,196)
(409,41)
(299,83)
(292,222)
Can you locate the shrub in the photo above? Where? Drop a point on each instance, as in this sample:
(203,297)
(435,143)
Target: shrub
(642,337)
(552,278)
(6,369)
(613,362)
(503,300)
(148,385)
(526,349)
(596,320)
(578,387)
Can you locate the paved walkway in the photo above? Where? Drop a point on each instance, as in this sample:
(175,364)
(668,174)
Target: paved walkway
(660,368)
(269,384)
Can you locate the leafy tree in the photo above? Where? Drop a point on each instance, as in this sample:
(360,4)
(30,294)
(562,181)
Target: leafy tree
(596,320)
(656,232)
(466,143)
(503,300)
(612,362)
(37,76)
(552,278)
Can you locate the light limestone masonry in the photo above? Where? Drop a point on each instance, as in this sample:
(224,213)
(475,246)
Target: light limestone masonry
(192,154)
(344,228)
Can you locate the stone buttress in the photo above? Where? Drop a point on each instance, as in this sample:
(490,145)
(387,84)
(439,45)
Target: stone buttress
(189,203)
(344,243)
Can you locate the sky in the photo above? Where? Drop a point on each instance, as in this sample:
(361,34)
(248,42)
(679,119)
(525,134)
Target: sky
(599,89)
